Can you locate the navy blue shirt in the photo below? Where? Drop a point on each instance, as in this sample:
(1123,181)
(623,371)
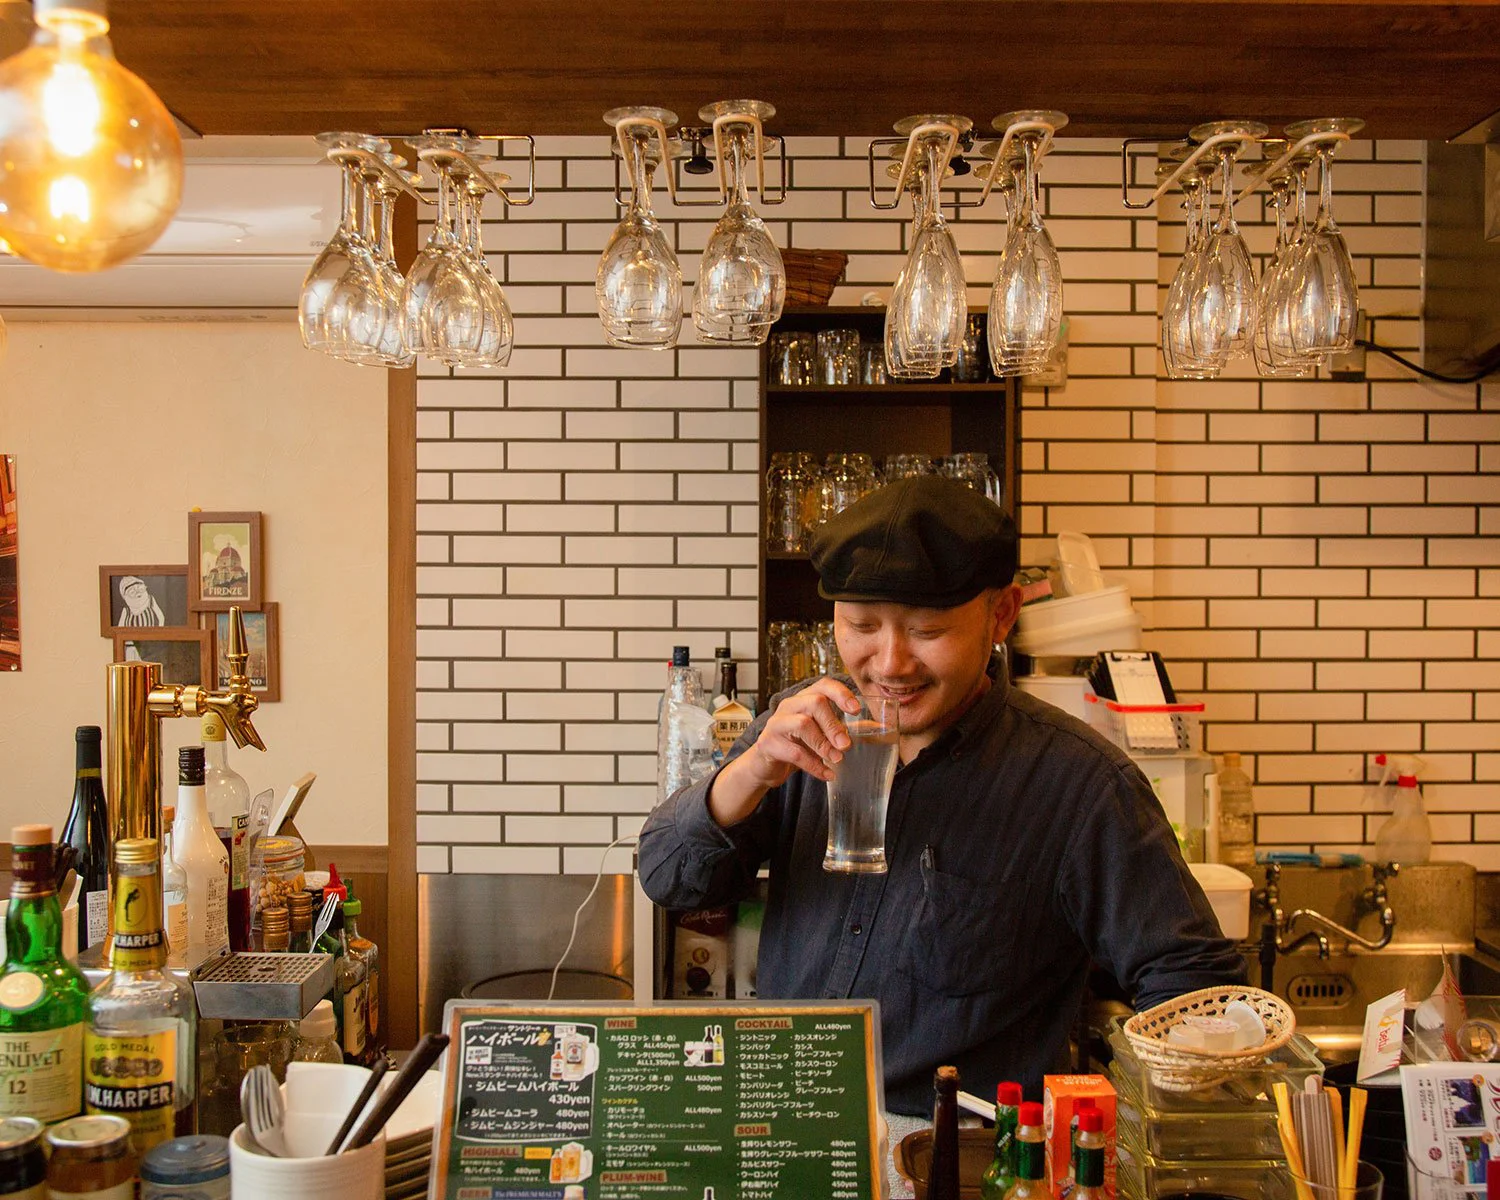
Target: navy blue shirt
(1020,844)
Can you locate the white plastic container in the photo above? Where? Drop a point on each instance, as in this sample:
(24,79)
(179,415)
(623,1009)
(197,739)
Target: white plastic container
(1062,691)
(1228,891)
(1079,625)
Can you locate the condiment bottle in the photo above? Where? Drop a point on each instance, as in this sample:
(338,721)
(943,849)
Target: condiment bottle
(187,1168)
(91,1156)
(1031,1155)
(43,997)
(23,1162)
(1090,1156)
(942,1175)
(1001,1173)
(317,1036)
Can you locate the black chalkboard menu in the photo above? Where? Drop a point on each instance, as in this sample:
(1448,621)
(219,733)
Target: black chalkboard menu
(667,1102)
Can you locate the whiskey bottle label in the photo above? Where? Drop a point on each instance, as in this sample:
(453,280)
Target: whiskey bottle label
(239,852)
(133,1077)
(39,1073)
(354,1021)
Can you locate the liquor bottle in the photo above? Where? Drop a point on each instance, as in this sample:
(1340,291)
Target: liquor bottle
(203,859)
(1236,817)
(1001,1172)
(1031,1155)
(684,742)
(724,687)
(1090,1156)
(368,953)
(174,896)
(348,987)
(43,997)
(942,1175)
(229,809)
(299,922)
(87,831)
(731,718)
(275,929)
(139,1052)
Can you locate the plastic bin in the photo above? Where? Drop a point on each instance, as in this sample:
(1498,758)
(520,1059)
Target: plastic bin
(1079,625)
(1245,1090)
(1135,729)
(1228,891)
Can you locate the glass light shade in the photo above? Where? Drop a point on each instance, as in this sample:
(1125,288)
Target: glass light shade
(90,160)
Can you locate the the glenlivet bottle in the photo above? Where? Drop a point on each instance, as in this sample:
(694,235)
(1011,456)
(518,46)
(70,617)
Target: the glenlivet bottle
(87,831)
(43,997)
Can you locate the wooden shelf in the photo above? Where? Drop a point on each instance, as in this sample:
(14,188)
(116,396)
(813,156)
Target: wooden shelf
(787,556)
(825,392)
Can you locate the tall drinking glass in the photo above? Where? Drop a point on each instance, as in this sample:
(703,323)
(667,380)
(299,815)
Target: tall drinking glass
(861,789)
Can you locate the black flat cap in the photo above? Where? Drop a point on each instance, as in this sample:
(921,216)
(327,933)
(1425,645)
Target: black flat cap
(928,541)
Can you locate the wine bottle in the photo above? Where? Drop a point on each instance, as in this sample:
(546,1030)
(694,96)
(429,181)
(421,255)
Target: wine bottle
(87,831)
(203,860)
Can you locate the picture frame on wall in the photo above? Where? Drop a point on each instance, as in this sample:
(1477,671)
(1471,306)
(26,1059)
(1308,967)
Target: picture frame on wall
(263,635)
(186,655)
(224,561)
(132,598)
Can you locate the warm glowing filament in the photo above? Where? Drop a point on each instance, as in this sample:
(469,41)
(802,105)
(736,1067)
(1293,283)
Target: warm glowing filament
(69,197)
(71,109)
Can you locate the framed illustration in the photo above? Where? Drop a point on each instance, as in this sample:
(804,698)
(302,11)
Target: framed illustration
(186,655)
(263,638)
(224,562)
(131,598)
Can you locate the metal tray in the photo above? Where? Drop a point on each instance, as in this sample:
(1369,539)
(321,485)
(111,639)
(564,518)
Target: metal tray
(263,987)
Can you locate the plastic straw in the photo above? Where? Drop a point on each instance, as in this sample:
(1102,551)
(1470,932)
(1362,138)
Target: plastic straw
(1336,1113)
(1357,1098)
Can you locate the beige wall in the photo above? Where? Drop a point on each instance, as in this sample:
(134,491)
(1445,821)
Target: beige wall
(119,429)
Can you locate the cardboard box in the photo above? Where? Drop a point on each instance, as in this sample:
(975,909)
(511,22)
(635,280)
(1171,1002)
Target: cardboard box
(1060,1096)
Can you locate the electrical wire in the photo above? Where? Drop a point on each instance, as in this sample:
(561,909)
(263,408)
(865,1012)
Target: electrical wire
(578,912)
(1423,371)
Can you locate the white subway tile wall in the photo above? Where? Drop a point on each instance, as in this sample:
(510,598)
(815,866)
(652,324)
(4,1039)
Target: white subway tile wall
(1314,558)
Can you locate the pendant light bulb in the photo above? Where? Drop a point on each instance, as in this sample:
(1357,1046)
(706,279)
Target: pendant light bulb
(90,159)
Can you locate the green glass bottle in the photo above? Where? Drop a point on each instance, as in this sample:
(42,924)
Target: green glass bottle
(43,997)
(1001,1172)
(1090,1151)
(1031,1155)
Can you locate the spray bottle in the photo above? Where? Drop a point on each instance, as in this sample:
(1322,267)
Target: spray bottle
(1406,835)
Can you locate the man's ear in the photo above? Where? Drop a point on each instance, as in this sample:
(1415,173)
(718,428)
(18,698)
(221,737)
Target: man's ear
(1007,606)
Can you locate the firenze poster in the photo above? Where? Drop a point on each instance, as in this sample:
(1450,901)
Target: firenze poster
(10,592)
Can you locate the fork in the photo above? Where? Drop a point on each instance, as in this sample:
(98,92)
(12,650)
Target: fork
(262,1108)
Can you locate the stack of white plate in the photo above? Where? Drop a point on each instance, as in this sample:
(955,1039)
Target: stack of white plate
(408,1140)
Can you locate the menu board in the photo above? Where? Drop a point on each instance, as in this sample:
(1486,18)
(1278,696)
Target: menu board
(667,1102)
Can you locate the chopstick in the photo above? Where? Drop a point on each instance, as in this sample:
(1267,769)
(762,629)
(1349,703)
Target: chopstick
(358,1106)
(972,1103)
(428,1050)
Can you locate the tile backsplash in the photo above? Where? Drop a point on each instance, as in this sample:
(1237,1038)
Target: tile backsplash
(1315,559)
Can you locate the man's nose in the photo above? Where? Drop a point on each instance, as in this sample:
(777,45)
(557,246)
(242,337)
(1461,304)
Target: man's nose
(893,658)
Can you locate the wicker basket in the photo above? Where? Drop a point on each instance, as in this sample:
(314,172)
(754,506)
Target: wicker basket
(811,275)
(1181,1069)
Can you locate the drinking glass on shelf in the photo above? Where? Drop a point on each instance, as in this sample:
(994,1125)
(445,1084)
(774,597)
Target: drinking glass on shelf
(907,466)
(638,284)
(794,357)
(1326,309)
(872,364)
(1026,301)
(838,356)
(973,469)
(787,485)
(741,278)
(972,363)
(929,308)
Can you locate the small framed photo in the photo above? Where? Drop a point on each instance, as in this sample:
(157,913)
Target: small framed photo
(224,561)
(186,655)
(132,598)
(263,640)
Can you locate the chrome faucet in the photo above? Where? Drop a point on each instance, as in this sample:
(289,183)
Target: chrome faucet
(1373,899)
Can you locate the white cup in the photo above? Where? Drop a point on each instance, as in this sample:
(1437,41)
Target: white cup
(308,1174)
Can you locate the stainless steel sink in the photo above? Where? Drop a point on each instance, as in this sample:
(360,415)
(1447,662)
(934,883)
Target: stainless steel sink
(1434,906)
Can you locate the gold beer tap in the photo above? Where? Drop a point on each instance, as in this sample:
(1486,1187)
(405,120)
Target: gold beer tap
(138,703)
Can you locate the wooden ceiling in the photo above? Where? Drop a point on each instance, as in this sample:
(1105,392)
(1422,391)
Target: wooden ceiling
(1118,67)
